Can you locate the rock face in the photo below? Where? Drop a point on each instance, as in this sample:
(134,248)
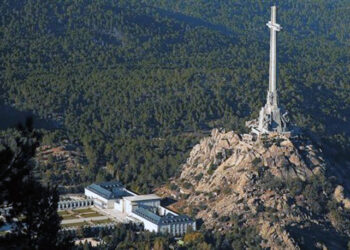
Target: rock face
(266,183)
(339,197)
(215,156)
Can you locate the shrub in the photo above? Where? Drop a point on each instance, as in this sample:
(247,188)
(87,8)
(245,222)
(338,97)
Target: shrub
(212,169)
(227,190)
(272,182)
(332,205)
(202,206)
(187,185)
(295,186)
(198,177)
(219,156)
(224,218)
(185,196)
(194,211)
(228,152)
(193,237)
(173,186)
(256,162)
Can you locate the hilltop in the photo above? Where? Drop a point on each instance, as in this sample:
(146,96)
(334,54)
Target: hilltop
(278,185)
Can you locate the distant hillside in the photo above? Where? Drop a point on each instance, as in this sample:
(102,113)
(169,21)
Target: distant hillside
(132,80)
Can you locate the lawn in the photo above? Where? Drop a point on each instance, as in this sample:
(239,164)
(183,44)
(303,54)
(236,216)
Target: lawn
(83,210)
(79,213)
(63,213)
(69,217)
(88,215)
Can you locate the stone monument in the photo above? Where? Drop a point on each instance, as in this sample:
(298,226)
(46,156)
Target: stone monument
(271,118)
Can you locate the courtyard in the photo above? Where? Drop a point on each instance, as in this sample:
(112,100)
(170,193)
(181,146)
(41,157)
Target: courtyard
(83,217)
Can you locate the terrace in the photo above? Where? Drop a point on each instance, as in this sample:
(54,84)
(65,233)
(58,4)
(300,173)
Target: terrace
(83,217)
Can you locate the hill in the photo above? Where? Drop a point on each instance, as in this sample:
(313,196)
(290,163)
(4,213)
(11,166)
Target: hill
(282,187)
(137,82)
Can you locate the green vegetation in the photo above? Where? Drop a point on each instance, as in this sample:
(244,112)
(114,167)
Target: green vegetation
(88,215)
(79,213)
(129,237)
(69,217)
(76,224)
(32,216)
(137,82)
(211,169)
(63,213)
(317,193)
(106,221)
(83,210)
(173,186)
(187,185)
(198,177)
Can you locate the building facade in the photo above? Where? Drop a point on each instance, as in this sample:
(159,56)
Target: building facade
(144,208)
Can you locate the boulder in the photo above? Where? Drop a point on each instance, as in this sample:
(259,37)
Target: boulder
(339,193)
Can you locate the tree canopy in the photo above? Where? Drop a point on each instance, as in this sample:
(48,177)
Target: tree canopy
(137,82)
(32,214)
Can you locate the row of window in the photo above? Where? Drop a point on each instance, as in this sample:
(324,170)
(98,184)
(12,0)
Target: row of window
(176,229)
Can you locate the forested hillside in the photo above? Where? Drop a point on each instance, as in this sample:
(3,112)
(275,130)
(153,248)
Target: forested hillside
(138,82)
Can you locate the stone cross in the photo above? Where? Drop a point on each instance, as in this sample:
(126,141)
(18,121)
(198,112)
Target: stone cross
(274,27)
(270,118)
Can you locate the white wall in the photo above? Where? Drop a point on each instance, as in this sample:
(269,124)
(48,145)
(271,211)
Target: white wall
(110,204)
(147,224)
(99,203)
(119,205)
(163,211)
(127,206)
(150,226)
(93,195)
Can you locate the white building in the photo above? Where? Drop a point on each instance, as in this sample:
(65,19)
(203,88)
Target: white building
(144,208)
(106,193)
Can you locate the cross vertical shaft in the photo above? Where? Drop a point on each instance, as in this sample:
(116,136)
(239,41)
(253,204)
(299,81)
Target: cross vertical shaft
(271,117)
(272,80)
(274,27)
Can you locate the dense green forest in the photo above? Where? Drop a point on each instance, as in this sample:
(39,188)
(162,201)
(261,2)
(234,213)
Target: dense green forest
(138,82)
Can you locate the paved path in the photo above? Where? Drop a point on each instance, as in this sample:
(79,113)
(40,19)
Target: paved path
(115,215)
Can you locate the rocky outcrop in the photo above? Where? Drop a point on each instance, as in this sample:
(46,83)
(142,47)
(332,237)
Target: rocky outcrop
(215,157)
(339,197)
(260,181)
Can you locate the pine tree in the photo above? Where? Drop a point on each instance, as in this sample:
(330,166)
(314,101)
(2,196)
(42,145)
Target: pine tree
(33,207)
